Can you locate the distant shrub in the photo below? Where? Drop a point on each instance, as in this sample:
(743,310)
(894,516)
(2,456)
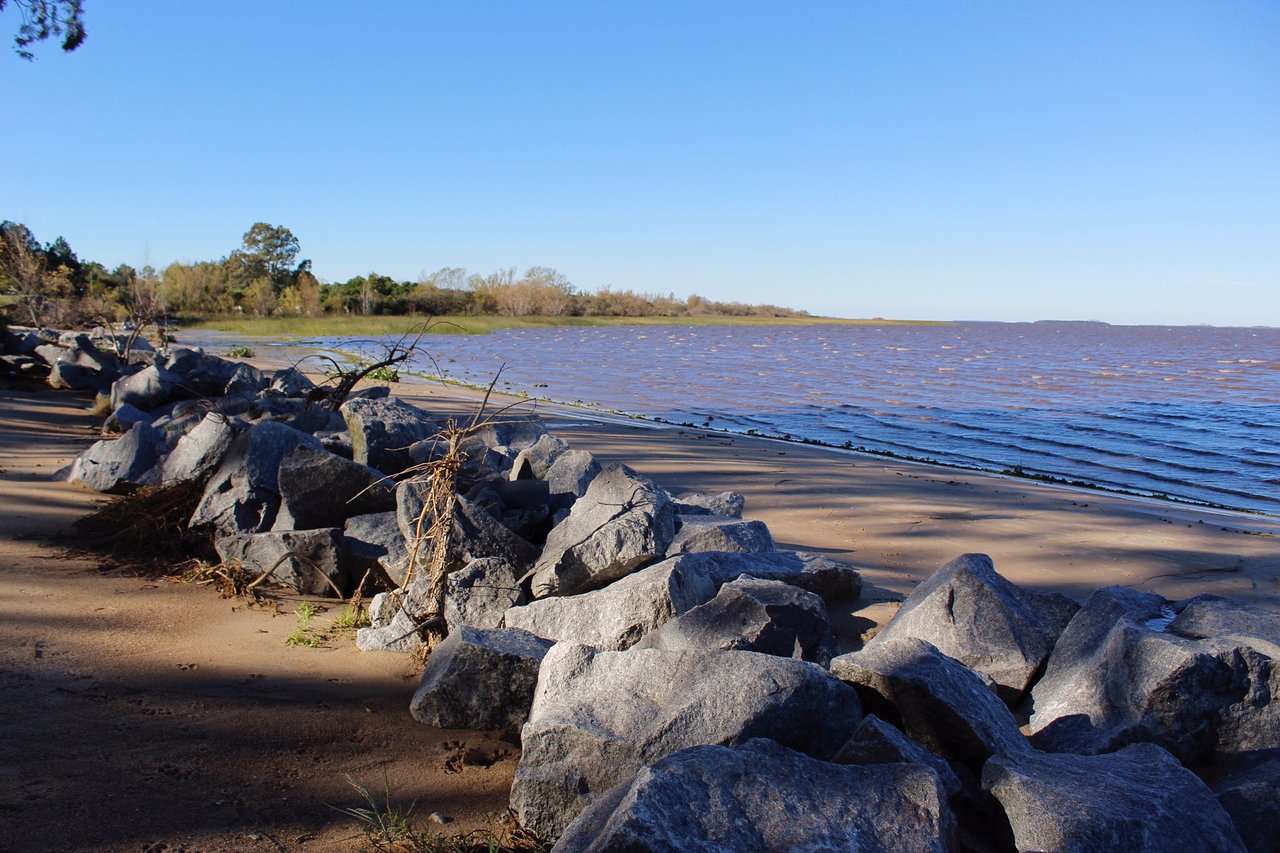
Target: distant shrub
(240,351)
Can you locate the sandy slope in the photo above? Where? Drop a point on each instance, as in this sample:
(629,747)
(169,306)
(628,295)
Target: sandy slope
(136,712)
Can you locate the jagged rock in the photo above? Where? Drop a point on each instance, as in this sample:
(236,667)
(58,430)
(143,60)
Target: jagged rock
(971,613)
(533,462)
(877,742)
(148,388)
(814,572)
(243,495)
(120,465)
(695,533)
(939,702)
(382,430)
(309,560)
(764,797)
(337,442)
(569,476)
(511,432)
(372,542)
(750,615)
(1252,799)
(399,634)
(726,504)
(476,534)
(623,522)
(480,679)
(291,382)
(480,593)
(619,615)
(245,380)
(83,366)
(598,717)
(1137,799)
(122,420)
(201,450)
(47,353)
(1129,668)
(319,489)
(201,373)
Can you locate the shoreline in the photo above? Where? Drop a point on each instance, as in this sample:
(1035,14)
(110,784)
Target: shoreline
(1062,481)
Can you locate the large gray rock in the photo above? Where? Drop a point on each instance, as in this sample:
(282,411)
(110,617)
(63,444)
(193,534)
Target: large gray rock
(319,489)
(727,504)
(1130,668)
(703,532)
(1252,799)
(939,702)
(570,475)
(122,420)
(246,380)
(618,616)
(83,366)
(201,373)
(480,679)
(291,382)
(1137,799)
(814,572)
(148,388)
(765,797)
(533,462)
(199,452)
(971,613)
(623,522)
(382,430)
(480,593)
(751,615)
(510,432)
(372,543)
(877,742)
(307,560)
(243,495)
(598,717)
(121,465)
(476,534)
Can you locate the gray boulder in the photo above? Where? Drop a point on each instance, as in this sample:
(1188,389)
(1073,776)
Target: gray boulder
(623,522)
(619,615)
(480,679)
(1130,668)
(1137,799)
(971,613)
(751,615)
(765,797)
(397,629)
(243,495)
(476,534)
(201,450)
(201,373)
(372,543)
(1252,799)
(511,433)
(291,382)
(83,366)
(877,742)
(246,380)
(149,388)
(814,572)
(939,702)
(121,465)
(382,430)
(319,489)
(122,420)
(599,717)
(696,533)
(480,593)
(569,476)
(726,504)
(534,461)
(307,560)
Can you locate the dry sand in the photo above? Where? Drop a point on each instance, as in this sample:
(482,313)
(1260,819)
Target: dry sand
(138,712)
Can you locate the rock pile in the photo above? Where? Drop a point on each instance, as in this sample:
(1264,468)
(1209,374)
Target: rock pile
(670,673)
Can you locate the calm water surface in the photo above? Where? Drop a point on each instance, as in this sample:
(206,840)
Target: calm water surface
(1188,412)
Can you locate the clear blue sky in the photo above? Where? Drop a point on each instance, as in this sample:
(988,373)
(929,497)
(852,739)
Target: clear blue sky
(990,160)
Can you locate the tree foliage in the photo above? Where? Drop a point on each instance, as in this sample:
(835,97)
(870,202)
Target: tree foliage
(44,19)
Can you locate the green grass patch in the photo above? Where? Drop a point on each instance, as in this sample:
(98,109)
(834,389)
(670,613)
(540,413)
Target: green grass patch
(303,634)
(345,324)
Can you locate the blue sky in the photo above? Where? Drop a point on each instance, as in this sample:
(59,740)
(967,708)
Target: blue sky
(977,160)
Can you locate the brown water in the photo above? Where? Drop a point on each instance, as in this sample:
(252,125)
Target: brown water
(1187,412)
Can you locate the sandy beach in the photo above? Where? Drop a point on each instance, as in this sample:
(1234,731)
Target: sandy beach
(141,712)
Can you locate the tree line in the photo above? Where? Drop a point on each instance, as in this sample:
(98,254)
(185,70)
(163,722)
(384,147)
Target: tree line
(47,284)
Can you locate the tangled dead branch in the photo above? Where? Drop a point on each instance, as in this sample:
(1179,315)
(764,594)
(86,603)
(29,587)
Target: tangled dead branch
(146,532)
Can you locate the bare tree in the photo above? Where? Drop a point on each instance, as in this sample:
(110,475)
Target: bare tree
(25,266)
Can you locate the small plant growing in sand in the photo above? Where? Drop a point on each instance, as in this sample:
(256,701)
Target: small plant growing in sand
(302,634)
(390,828)
(240,351)
(352,617)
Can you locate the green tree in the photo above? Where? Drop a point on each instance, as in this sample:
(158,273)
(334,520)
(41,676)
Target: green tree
(43,19)
(270,252)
